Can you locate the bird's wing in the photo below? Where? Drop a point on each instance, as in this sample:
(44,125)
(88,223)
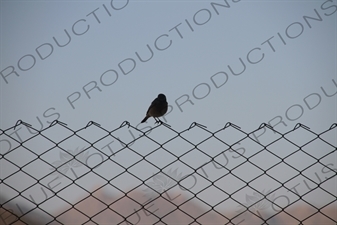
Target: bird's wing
(153,104)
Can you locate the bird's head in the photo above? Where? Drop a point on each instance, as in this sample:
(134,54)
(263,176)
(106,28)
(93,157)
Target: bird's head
(162,96)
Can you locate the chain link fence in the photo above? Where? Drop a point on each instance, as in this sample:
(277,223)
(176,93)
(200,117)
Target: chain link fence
(157,175)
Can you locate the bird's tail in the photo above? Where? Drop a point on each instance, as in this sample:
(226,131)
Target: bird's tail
(144,120)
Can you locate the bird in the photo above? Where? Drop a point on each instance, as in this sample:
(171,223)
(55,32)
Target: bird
(157,109)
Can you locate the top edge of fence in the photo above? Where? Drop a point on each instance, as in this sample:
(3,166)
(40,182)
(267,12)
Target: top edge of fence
(191,126)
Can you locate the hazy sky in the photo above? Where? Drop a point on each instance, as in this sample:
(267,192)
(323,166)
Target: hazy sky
(247,62)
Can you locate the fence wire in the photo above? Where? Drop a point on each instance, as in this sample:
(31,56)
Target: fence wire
(157,175)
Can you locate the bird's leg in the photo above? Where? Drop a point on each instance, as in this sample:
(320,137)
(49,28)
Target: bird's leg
(158,120)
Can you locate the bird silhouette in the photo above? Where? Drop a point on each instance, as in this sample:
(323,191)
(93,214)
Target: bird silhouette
(157,109)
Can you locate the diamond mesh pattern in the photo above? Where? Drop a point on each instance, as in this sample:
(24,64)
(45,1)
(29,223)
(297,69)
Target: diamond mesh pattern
(161,176)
